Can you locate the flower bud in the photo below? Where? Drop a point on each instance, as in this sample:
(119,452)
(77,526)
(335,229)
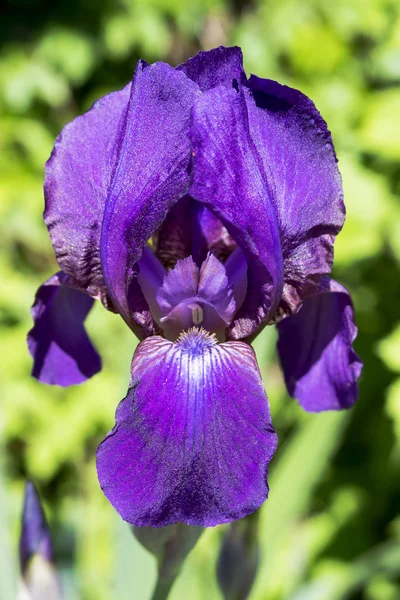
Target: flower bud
(170,545)
(238,560)
(39,577)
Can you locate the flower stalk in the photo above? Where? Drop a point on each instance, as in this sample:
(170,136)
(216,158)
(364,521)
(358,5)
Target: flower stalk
(170,546)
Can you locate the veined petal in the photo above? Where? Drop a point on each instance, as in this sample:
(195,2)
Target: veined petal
(61,350)
(321,368)
(193,437)
(78,176)
(151,174)
(297,152)
(219,66)
(229,177)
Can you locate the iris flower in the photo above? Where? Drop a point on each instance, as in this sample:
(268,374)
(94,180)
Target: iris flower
(201,206)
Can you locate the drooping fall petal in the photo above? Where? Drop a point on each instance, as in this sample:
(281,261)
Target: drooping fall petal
(320,366)
(193,437)
(61,350)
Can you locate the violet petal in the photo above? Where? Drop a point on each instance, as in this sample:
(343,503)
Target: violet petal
(215,288)
(61,350)
(297,152)
(150,278)
(191,229)
(179,284)
(193,437)
(229,177)
(321,368)
(219,66)
(78,176)
(191,296)
(151,174)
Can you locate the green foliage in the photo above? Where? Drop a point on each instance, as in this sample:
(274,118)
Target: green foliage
(331,528)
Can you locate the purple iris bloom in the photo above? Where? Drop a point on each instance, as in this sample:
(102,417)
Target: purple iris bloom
(201,206)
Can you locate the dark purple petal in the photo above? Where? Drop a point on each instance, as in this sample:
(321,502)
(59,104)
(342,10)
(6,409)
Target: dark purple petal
(229,177)
(151,174)
(35,536)
(61,350)
(220,66)
(190,229)
(193,437)
(150,278)
(181,235)
(143,322)
(236,270)
(78,176)
(320,366)
(303,179)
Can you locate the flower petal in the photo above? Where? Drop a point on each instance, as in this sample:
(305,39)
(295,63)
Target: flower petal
(299,159)
(315,347)
(78,176)
(151,174)
(228,176)
(215,287)
(219,66)
(190,229)
(191,297)
(193,437)
(61,350)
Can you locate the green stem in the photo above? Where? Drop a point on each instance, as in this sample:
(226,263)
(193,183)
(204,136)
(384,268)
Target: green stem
(162,589)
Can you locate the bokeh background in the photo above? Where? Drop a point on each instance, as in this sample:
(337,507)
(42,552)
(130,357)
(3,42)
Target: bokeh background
(331,528)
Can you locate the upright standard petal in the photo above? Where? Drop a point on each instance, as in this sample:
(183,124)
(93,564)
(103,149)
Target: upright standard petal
(78,176)
(193,437)
(219,66)
(61,350)
(321,368)
(296,149)
(151,174)
(229,177)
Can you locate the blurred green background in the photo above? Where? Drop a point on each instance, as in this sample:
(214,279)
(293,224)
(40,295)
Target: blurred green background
(331,528)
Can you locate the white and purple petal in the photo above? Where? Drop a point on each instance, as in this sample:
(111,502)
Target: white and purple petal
(61,350)
(193,437)
(319,363)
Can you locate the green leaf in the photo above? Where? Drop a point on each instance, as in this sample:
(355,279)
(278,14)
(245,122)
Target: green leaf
(297,469)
